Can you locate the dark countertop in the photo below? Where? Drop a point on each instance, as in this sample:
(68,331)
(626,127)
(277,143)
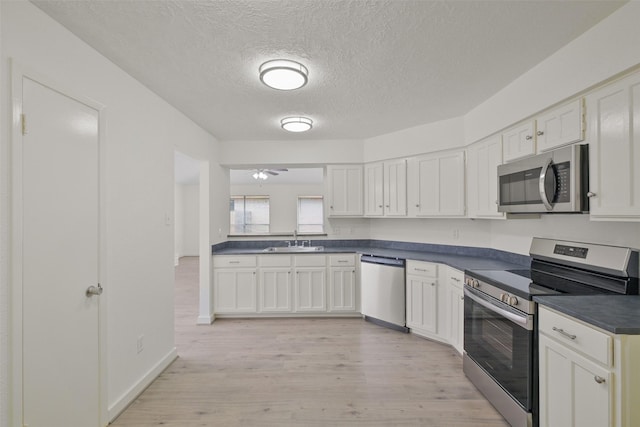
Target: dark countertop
(459,257)
(618,314)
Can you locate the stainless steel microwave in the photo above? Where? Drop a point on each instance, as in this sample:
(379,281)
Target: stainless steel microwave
(553,182)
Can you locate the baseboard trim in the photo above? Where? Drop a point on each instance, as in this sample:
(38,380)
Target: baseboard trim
(205,320)
(130,395)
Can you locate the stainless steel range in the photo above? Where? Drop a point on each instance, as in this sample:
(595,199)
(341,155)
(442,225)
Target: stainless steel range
(500,339)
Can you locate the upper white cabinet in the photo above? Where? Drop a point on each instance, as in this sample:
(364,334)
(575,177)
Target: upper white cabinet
(345,190)
(561,126)
(614,150)
(385,188)
(483,159)
(436,185)
(519,142)
(374,189)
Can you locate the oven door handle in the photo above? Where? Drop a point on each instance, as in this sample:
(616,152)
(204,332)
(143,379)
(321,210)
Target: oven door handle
(523,321)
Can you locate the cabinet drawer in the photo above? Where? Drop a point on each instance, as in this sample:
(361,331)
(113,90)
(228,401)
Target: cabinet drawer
(274,260)
(348,260)
(232,261)
(310,260)
(420,268)
(455,277)
(593,343)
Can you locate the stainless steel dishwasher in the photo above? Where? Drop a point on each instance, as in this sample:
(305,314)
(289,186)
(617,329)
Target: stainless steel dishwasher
(383,291)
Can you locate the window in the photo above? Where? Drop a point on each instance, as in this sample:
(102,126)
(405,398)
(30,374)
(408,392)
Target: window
(310,214)
(249,214)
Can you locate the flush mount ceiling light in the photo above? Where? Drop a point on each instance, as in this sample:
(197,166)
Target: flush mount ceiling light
(283,74)
(296,124)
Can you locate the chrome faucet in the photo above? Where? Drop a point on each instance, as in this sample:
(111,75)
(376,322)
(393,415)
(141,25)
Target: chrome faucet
(295,237)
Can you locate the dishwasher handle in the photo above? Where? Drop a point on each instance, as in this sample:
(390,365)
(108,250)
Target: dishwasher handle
(373,259)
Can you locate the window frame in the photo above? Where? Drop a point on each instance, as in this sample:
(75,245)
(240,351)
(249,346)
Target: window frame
(244,224)
(322,224)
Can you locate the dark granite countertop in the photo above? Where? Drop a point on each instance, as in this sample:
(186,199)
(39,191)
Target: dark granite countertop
(618,314)
(459,257)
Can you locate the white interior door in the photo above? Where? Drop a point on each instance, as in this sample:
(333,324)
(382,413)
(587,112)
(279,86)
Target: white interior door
(60,190)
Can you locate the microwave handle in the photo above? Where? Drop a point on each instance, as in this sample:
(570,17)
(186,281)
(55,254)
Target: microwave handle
(546,168)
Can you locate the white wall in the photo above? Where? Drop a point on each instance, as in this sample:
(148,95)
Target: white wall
(605,50)
(187,219)
(141,132)
(301,153)
(427,138)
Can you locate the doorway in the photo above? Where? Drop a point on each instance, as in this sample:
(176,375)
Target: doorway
(57,249)
(191,226)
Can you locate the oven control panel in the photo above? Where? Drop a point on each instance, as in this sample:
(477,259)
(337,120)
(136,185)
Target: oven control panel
(505,297)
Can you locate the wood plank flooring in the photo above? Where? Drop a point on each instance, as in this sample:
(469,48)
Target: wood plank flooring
(304,372)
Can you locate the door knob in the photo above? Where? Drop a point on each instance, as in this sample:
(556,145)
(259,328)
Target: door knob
(94,290)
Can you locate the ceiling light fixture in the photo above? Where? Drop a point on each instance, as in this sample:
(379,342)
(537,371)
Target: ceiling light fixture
(260,175)
(296,124)
(283,74)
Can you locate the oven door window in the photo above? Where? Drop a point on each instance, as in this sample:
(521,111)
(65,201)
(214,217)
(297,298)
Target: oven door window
(502,348)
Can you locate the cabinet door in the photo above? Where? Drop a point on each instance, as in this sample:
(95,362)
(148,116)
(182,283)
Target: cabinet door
(235,291)
(574,391)
(562,126)
(455,310)
(275,290)
(614,150)
(345,190)
(310,289)
(519,142)
(436,185)
(395,188)
(342,285)
(482,182)
(422,303)
(373,189)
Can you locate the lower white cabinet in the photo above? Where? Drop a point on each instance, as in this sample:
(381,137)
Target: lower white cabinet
(588,377)
(310,289)
(435,302)
(284,284)
(422,297)
(454,308)
(235,290)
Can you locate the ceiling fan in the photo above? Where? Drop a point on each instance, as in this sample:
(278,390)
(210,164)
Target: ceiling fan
(264,173)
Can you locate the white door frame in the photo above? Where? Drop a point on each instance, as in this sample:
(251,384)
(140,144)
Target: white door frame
(19,72)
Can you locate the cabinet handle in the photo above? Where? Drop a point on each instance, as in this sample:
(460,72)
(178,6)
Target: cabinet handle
(528,137)
(461,297)
(387,205)
(234,262)
(599,379)
(455,279)
(417,206)
(497,203)
(420,269)
(433,284)
(342,260)
(591,194)
(379,206)
(540,133)
(562,332)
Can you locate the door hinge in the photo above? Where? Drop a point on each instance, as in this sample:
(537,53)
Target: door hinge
(23,123)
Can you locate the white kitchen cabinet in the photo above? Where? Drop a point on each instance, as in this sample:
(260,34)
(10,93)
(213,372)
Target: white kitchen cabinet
(395,188)
(345,190)
(274,283)
(342,283)
(519,142)
(385,188)
(310,283)
(614,150)
(436,185)
(374,189)
(483,159)
(588,377)
(234,284)
(454,309)
(560,126)
(422,298)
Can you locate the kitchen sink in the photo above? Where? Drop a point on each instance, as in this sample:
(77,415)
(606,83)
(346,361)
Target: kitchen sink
(294,249)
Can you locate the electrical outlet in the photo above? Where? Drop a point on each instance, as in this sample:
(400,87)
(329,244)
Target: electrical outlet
(140,343)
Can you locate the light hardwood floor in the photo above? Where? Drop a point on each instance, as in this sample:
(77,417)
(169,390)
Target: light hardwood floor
(304,372)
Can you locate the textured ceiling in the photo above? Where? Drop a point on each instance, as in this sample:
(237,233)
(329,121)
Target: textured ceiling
(374,66)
